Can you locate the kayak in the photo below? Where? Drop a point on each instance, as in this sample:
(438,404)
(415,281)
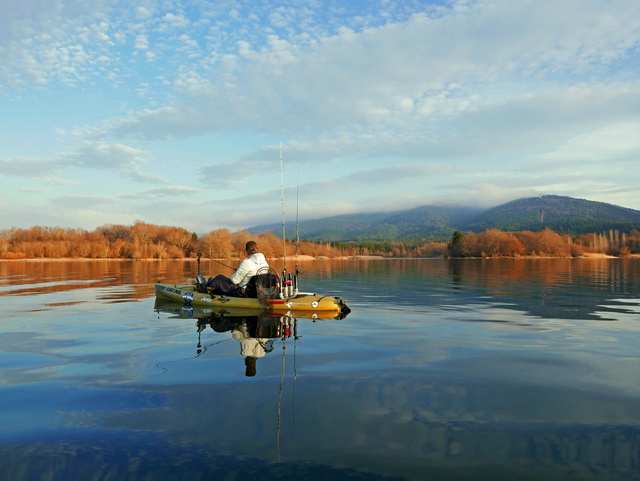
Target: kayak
(181,310)
(301,302)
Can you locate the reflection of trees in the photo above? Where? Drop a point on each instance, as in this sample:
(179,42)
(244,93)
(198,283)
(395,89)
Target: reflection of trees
(561,288)
(548,287)
(21,278)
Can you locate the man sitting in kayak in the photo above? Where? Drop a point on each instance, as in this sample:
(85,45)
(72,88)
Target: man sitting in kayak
(236,285)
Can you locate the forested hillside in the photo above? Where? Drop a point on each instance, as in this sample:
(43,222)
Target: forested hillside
(437,223)
(540,226)
(421,223)
(561,214)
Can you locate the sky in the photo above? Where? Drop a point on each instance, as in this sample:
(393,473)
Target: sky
(178,112)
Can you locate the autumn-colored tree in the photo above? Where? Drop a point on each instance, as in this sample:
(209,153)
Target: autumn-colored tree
(180,239)
(5,240)
(545,243)
(624,251)
(491,243)
(142,236)
(495,243)
(240,240)
(432,249)
(114,232)
(142,240)
(554,244)
(271,245)
(216,244)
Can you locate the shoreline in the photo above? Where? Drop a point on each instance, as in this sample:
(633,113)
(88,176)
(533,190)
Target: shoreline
(306,258)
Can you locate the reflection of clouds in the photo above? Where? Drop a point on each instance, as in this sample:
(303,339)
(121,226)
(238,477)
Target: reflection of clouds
(441,371)
(428,417)
(145,457)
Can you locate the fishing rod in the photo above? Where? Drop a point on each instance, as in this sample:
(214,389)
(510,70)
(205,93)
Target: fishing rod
(297,217)
(284,238)
(214,260)
(290,282)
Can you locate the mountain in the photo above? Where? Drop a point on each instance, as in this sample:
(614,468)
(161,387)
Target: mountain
(429,223)
(420,223)
(561,214)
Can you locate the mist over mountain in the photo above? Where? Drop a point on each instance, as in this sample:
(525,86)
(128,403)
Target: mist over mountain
(436,223)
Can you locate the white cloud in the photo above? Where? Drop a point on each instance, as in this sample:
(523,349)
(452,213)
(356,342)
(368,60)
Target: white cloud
(85,201)
(483,99)
(29,167)
(142,42)
(398,75)
(176,20)
(165,192)
(103,155)
(606,143)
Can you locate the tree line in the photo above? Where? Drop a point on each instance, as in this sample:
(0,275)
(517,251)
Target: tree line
(496,243)
(145,241)
(148,241)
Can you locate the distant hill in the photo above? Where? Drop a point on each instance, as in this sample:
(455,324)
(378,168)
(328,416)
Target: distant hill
(426,222)
(430,223)
(561,214)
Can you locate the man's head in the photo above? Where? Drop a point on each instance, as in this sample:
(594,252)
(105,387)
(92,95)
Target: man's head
(251,247)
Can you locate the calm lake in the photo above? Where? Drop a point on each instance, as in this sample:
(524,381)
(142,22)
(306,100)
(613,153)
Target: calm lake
(444,370)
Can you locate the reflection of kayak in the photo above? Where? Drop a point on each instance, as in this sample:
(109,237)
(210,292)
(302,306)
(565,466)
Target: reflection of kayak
(300,303)
(188,311)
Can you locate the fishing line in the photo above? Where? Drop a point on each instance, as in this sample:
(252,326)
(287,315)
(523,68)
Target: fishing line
(160,365)
(214,260)
(223,264)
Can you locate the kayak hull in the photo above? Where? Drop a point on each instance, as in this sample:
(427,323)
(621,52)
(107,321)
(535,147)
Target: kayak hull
(187,311)
(188,294)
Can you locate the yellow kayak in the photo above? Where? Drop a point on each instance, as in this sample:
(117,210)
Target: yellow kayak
(307,302)
(188,311)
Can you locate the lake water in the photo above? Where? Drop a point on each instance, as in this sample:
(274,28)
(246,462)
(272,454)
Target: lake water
(444,370)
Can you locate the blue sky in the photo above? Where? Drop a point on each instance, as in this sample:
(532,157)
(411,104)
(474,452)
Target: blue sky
(171,112)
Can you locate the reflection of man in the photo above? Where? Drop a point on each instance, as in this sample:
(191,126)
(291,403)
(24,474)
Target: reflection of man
(251,348)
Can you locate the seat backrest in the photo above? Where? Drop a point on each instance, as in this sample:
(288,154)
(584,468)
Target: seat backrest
(266,284)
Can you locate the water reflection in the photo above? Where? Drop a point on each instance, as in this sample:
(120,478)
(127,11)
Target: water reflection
(582,289)
(255,331)
(456,370)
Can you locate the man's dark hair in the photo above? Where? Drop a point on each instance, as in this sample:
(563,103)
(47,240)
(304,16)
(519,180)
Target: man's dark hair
(251,247)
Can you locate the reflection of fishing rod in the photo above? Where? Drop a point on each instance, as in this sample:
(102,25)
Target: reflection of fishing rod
(284,349)
(288,323)
(295,377)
